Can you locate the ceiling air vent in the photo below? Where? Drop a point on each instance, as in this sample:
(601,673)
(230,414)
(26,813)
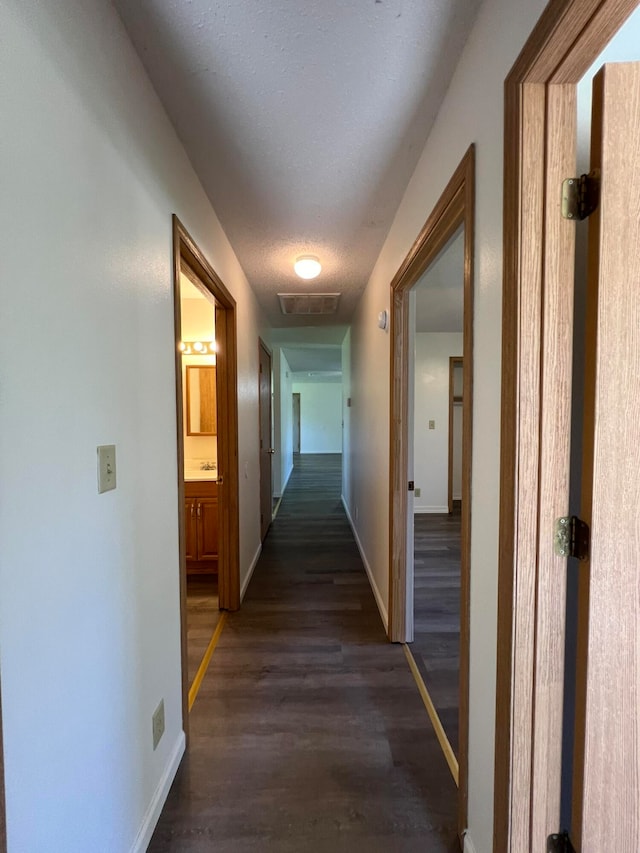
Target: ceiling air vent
(309,303)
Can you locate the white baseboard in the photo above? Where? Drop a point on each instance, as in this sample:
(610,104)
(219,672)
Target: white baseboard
(159,798)
(468,843)
(435,509)
(252,567)
(374,586)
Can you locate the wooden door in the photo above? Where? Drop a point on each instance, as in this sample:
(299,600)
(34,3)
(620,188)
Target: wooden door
(606,812)
(266,450)
(296,422)
(208,528)
(190,543)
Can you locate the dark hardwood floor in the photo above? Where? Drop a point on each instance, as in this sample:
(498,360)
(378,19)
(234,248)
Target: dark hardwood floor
(202,617)
(436,646)
(309,733)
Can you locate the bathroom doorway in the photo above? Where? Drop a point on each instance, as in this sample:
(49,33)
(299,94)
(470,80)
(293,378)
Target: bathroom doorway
(207,438)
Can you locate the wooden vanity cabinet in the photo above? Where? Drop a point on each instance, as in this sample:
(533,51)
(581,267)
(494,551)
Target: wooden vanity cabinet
(201,526)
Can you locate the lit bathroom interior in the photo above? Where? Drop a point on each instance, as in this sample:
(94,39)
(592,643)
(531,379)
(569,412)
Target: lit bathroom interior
(200,435)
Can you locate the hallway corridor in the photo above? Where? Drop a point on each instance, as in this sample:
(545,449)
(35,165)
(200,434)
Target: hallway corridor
(308,733)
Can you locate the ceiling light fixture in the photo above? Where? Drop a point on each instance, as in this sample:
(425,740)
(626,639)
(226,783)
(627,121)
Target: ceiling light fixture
(307,266)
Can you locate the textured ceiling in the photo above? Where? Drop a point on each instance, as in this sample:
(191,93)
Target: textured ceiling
(304,120)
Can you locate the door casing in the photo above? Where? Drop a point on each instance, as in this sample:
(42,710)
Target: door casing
(455,207)
(538,286)
(186,252)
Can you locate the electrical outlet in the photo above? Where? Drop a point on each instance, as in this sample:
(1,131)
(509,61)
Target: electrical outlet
(157,723)
(432,424)
(416,492)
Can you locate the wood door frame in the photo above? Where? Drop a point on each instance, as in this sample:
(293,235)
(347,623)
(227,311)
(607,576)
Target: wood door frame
(538,284)
(262,346)
(187,252)
(453,361)
(455,207)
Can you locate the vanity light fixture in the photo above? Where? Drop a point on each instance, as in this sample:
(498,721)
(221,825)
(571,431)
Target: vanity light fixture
(307,266)
(198,347)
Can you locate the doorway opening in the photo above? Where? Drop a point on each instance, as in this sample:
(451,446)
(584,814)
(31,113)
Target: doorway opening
(295,397)
(437,322)
(539,316)
(452,216)
(207,433)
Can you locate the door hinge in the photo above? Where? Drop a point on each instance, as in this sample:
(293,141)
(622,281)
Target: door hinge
(580,196)
(571,537)
(411,486)
(559,842)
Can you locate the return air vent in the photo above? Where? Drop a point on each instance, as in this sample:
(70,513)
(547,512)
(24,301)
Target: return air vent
(309,303)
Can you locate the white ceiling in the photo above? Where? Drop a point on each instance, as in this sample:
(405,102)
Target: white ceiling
(304,120)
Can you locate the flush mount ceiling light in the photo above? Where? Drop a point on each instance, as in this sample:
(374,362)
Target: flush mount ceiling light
(307,266)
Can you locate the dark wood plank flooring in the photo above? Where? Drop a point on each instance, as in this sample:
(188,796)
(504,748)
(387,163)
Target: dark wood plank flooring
(309,733)
(436,646)
(202,617)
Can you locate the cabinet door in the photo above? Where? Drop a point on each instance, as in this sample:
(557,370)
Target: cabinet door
(190,541)
(207,528)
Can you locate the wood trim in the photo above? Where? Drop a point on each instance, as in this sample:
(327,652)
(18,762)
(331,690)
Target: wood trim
(455,207)
(539,149)
(187,255)
(453,361)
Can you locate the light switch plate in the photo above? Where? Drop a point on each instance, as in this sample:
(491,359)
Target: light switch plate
(106,467)
(432,424)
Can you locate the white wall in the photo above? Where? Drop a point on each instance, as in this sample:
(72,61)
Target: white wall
(91,171)
(320,416)
(283,422)
(431,403)
(472,111)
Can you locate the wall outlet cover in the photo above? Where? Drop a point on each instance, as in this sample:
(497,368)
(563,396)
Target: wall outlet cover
(106,467)
(416,492)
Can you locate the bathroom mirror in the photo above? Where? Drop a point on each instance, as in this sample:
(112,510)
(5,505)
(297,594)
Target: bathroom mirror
(201,400)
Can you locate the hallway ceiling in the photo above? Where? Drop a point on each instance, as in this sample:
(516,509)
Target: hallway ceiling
(304,120)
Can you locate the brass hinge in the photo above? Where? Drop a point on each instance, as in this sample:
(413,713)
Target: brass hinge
(559,842)
(580,196)
(571,538)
